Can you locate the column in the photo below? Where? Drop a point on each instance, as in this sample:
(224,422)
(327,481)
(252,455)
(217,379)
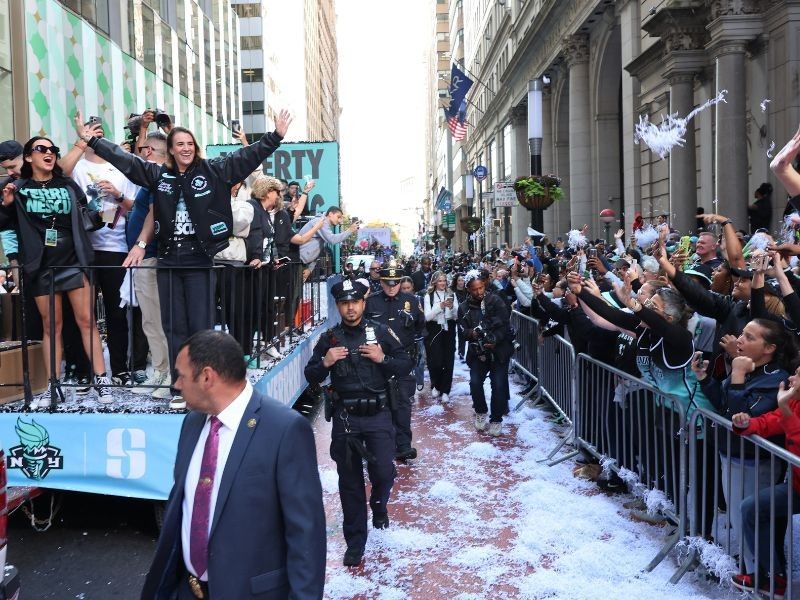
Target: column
(548,168)
(576,49)
(682,161)
(630,30)
(520,165)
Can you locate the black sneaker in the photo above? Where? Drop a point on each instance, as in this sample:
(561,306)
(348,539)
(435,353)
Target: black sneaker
(406,454)
(353,557)
(83,386)
(380,521)
(123,378)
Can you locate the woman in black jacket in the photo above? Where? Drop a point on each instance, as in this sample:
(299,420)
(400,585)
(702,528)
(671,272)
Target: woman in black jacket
(191,220)
(43,206)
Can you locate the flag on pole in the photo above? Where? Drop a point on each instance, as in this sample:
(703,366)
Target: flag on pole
(457,123)
(459,86)
(444,200)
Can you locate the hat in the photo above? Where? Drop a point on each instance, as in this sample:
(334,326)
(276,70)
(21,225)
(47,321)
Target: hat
(746,273)
(703,272)
(348,290)
(392,272)
(10,149)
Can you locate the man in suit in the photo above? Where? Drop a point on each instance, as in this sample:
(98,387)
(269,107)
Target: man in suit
(245,517)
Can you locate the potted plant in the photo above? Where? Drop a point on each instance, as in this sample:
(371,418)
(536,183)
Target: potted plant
(470,224)
(538,191)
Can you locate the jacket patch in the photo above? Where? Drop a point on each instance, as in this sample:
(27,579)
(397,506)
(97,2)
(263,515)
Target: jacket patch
(199,183)
(201,194)
(165,187)
(219,228)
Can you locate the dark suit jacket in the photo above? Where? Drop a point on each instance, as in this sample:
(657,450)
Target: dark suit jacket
(268,533)
(420,281)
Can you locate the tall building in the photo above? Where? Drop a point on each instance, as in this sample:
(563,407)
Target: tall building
(110,59)
(603,64)
(289,60)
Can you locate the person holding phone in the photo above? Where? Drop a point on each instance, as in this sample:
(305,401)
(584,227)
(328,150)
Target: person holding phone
(191,220)
(441,312)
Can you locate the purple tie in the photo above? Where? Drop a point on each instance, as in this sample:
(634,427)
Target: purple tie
(201,509)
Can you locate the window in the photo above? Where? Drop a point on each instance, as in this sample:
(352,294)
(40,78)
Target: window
(94,11)
(253,107)
(166,53)
(492,163)
(250,42)
(507,152)
(149,38)
(252,75)
(251,9)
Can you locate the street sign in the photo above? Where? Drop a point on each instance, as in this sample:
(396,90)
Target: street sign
(480,172)
(504,194)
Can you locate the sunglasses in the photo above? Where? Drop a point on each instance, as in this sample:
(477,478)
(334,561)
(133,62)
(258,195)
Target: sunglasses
(143,148)
(45,149)
(374,269)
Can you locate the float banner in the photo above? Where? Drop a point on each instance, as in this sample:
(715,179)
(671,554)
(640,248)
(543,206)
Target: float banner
(295,160)
(120,454)
(382,235)
(287,383)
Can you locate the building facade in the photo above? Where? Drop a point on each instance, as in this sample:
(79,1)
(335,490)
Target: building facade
(290,60)
(606,63)
(110,59)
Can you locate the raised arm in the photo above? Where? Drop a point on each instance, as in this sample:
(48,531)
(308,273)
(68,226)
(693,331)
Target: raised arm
(782,165)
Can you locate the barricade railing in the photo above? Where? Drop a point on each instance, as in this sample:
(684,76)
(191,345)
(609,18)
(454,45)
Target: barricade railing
(526,358)
(753,479)
(638,432)
(259,307)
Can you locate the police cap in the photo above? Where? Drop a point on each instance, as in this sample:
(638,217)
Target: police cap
(392,272)
(348,290)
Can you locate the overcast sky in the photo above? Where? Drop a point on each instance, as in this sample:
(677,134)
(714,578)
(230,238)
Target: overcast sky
(382,78)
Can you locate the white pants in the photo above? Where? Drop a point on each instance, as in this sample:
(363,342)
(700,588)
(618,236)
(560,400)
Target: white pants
(146,286)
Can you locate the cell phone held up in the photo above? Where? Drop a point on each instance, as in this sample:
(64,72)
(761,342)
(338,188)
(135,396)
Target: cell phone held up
(591,253)
(95,120)
(236,126)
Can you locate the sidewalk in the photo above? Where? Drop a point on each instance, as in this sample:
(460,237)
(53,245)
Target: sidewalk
(476,517)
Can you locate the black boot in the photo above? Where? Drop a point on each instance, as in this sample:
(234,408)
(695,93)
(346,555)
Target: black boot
(353,557)
(380,521)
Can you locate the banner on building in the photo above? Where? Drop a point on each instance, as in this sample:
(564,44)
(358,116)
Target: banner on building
(294,161)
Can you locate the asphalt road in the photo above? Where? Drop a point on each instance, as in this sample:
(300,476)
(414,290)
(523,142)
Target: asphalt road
(98,547)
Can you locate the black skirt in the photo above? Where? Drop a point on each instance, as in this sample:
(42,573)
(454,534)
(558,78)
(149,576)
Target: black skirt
(66,273)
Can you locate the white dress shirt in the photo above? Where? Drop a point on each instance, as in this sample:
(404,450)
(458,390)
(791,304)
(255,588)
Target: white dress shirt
(434,311)
(230,418)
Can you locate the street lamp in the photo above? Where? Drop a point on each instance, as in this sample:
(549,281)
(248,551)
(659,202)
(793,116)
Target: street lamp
(607,216)
(535,141)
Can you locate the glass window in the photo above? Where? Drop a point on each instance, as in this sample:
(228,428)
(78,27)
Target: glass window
(492,163)
(182,71)
(197,44)
(208,58)
(507,153)
(149,38)
(253,107)
(250,42)
(251,9)
(166,52)
(252,75)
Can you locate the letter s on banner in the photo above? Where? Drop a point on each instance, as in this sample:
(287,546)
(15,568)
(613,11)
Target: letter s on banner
(135,456)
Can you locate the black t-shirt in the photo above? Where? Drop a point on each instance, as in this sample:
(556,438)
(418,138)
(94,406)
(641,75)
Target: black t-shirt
(49,206)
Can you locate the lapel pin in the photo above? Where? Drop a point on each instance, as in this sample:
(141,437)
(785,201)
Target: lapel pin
(251,423)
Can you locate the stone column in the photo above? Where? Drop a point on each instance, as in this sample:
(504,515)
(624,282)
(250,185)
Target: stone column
(551,214)
(682,161)
(520,165)
(576,54)
(630,30)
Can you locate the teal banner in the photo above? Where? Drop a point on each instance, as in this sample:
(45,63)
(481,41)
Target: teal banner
(118,454)
(294,161)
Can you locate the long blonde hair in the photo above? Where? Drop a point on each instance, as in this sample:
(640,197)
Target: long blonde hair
(264,184)
(434,279)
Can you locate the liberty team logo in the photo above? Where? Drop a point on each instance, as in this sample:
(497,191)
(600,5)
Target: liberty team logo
(34,455)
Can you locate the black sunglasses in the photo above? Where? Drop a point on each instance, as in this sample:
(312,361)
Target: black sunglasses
(45,149)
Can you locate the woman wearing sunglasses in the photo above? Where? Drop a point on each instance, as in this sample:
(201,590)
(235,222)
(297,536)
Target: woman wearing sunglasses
(43,206)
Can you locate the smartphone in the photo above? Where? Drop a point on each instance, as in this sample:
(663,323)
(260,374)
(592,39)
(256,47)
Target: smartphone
(592,253)
(95,120)
(235,125)
(685,244)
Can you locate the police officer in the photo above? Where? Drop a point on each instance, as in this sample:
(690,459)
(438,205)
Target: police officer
(361,356)
(403,314)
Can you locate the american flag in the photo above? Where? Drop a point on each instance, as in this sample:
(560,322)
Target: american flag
(457,123)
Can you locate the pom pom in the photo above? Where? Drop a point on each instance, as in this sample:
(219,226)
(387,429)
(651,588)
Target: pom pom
(646,236)
(575,239)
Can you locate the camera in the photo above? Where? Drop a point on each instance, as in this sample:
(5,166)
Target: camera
(484,337)
(134,125)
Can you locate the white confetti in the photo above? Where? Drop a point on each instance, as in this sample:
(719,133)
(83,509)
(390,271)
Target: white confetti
(646,236)
(662,138)
(764,103)
(771,149)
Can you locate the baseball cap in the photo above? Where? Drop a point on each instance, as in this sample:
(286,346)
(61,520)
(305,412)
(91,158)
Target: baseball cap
(10,149)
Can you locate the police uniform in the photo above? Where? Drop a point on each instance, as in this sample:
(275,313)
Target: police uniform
(403,314)
(362,422)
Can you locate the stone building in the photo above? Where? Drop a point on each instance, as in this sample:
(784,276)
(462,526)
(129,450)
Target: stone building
(604,64)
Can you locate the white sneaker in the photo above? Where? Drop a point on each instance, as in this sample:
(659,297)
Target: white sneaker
(435,393)
(480,421)
(177,403)
(445,398)
(495,429)
(103,392)
(43,400)
(273,353)
(145,388)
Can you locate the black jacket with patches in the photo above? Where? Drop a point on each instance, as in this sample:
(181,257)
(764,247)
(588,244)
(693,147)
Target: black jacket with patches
(206,189)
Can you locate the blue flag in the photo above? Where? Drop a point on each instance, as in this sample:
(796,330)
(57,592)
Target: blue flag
(444,201)
(459,86)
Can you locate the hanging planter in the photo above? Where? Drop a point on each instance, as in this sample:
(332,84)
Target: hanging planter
(470,224)
(446,233)
(538,191)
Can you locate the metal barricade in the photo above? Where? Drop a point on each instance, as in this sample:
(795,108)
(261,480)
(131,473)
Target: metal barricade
(526,357)
(639,433)
(756,479)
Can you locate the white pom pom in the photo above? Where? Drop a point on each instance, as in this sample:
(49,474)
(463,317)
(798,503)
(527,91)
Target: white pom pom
(575,239)
(646,236)
(759,241)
